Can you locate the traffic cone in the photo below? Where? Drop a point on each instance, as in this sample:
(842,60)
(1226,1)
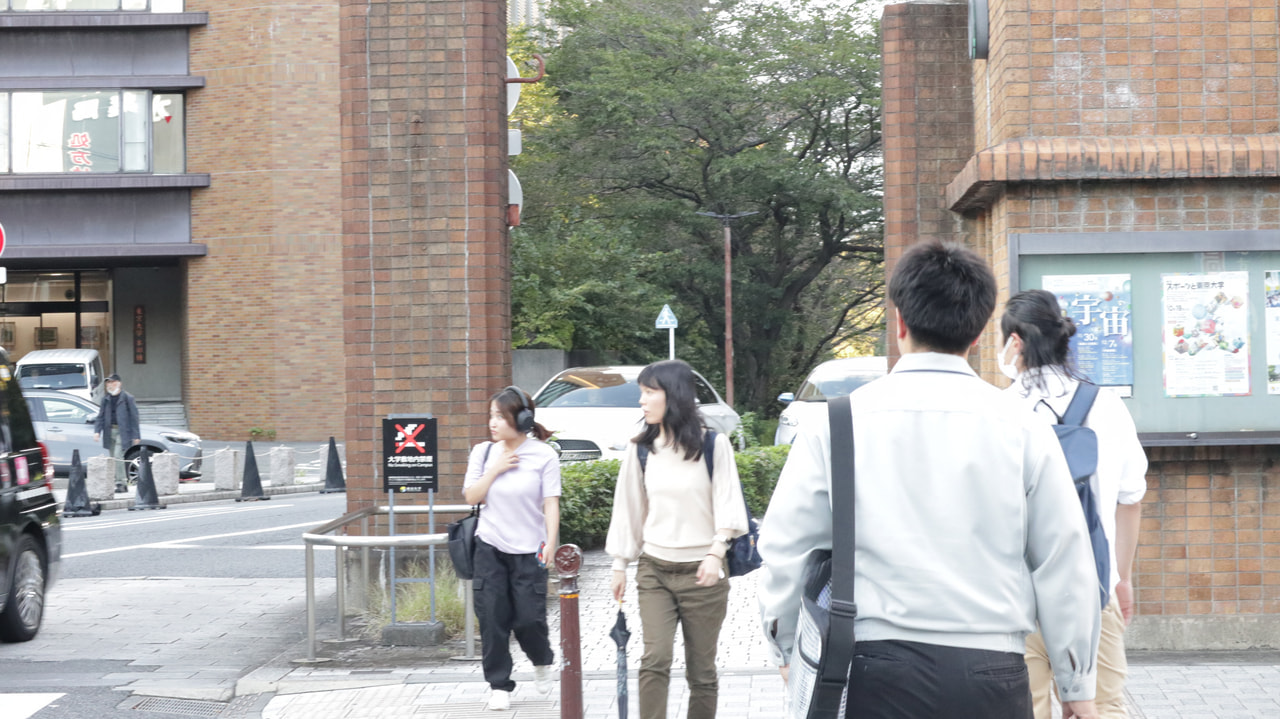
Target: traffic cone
(251,486)
(333,479)
(145,495)
(77,504)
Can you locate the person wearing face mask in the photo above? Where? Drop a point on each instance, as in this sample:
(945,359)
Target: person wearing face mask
(117,427)
(1036,356)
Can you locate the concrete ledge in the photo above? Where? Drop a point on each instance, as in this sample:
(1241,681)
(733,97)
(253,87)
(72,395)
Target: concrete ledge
(414,634)
(1204,632)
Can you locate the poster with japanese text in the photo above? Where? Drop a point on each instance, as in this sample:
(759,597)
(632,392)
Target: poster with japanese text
(1101,307)
(1271,282)
(1205,338)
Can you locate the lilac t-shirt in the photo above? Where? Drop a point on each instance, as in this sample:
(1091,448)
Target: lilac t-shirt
(512,519)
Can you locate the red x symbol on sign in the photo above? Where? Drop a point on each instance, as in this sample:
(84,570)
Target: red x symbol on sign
(410,438)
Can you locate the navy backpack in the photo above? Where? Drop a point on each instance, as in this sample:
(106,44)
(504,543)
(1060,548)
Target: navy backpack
(1080,446)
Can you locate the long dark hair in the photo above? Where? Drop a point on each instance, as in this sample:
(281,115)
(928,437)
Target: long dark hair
(682,422)
(1046,335)
(509,405)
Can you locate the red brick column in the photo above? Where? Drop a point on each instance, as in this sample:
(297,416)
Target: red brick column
(424,194)
(928,124)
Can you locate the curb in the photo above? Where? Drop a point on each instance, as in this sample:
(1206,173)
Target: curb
(213,495)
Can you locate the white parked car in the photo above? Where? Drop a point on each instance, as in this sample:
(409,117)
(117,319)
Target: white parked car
(830,379)
(594,411)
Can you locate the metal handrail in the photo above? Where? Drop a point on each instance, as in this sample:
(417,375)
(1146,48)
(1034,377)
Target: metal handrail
(321,536)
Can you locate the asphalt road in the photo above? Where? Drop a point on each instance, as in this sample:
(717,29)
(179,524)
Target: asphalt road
(177,602)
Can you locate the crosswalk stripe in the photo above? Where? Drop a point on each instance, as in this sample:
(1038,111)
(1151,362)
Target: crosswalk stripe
(22,706)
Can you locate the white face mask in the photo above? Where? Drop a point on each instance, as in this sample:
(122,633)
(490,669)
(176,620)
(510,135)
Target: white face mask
(113,391)
(1008,369)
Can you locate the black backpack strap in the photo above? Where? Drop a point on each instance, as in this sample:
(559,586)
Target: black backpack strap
(642,454)
(709,452)
(834,672)
(487,447)
(1081,403)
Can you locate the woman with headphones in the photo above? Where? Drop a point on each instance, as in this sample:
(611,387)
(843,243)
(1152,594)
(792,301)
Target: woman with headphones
(517,477)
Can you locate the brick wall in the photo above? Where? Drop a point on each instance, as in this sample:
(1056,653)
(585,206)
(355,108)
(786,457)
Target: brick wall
(928,127)
(264,308)
(1128,68)
(426,291)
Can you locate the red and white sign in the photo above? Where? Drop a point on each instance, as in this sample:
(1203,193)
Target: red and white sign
(1,239)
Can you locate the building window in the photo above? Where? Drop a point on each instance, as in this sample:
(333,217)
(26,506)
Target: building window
(92,5)
(92,131)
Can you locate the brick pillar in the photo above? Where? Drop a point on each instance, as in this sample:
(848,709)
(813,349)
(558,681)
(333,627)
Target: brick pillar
(928,125)
(424,193)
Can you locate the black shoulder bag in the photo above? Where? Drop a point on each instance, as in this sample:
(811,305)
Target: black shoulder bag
(462,536)
(819,672)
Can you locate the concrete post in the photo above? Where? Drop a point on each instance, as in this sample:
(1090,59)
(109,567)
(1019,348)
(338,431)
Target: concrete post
(164,469)
(101,479)
(282,466)
(228,468)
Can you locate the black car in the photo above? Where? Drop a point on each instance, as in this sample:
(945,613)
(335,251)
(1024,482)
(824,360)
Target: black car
(30,533)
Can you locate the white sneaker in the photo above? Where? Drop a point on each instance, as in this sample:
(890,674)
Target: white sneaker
(499,701)
(542,679)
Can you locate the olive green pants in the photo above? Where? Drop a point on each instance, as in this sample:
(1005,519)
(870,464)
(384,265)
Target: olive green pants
(669,595)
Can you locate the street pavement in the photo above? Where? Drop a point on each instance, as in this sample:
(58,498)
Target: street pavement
(181,663)
(1171,686)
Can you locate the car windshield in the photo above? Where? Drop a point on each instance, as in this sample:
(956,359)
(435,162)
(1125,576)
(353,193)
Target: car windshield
(52,376)
(589,389)
(819,389)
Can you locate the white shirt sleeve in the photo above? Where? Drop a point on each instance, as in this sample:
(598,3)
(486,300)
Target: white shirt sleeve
(797,522)
(630,506)
(475,464)
(1120,451)
(726,490)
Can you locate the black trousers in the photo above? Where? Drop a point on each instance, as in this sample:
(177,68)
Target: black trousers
(910,680)
(511,597)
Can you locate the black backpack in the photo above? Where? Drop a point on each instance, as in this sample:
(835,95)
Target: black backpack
(1080,447)
(741,556)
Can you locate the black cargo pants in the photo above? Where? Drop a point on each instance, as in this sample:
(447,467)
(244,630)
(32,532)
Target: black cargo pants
(511,596)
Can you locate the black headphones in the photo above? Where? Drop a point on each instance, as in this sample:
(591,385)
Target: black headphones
(524,417)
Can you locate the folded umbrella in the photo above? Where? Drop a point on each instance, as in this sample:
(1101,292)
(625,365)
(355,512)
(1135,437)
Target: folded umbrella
(620,635)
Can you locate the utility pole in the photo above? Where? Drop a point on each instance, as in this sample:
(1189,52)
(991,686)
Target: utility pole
(726,221)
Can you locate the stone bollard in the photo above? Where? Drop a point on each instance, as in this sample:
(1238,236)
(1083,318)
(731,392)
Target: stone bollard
(164,469)
(228,468)
(101,479)
(282,466)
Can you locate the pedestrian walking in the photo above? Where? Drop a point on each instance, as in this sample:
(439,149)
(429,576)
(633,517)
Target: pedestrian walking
(676,506)
(1037,356)
(961,541)
(117,427)
(517,477)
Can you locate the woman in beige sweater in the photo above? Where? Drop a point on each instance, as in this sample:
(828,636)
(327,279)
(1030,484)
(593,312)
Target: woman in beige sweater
(678,522)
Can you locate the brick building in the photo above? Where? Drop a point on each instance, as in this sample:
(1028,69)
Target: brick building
(279,215)
(1133,137)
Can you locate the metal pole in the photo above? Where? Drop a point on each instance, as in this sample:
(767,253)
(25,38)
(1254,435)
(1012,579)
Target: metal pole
(671,342)
(341,574)
(431,550)
(470,619)
(568,562)
(391,532)
(728,318)
(311,602)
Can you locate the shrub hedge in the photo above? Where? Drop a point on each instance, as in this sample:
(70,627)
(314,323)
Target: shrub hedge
(586,501)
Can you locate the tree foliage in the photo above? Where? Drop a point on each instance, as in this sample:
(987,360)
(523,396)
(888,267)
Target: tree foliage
(655,111)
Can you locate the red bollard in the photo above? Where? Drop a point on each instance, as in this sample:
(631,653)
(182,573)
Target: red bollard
(568,562)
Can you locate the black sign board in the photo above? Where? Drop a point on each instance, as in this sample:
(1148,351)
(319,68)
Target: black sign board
(409,455)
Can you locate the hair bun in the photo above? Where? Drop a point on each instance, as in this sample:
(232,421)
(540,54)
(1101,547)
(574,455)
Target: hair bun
(1068,325)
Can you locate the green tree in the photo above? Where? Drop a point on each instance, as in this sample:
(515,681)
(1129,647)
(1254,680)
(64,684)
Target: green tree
(658,111)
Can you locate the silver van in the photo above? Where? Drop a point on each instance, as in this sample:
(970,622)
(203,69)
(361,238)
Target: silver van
(77,372)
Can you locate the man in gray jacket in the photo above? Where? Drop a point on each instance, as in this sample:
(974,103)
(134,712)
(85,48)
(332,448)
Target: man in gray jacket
(117,427)
(962,544)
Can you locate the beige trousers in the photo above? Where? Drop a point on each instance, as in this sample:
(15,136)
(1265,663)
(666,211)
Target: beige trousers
(669,596)
(1113,667)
